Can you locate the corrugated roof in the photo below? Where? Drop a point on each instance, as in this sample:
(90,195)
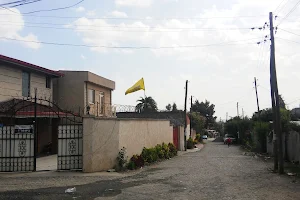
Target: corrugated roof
(30,66)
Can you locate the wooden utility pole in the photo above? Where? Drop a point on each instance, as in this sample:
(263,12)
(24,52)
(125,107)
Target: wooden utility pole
(257,102)
(275,93)
(275,148)
(243,113)
(191,117)
(185,120)
(226,116)
(237,109)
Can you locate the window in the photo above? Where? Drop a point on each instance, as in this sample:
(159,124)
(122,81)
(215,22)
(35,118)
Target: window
(91,94)
(101,101)
(25,84)
(48,82)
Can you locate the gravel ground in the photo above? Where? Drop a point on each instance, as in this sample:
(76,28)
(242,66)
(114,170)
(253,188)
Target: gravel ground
(216,172)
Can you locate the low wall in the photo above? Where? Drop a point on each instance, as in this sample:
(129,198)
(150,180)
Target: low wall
(103,138)
(292,143)
(135,134)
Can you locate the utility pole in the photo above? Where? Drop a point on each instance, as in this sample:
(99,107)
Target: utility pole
(257,102)
(275,93)
(191,117)
(237,109)
(226,116)
(243,113)
(185,120)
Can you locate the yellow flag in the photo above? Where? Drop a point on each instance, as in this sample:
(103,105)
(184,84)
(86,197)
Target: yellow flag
(138,86)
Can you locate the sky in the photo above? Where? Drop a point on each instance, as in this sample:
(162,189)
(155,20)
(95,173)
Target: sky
(210,43)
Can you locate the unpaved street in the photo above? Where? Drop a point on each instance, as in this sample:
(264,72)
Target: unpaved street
(216,172)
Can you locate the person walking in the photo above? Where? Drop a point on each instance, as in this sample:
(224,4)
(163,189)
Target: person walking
(229,142)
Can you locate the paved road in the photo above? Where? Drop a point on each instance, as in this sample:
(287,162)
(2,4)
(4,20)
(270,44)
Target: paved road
(216,172)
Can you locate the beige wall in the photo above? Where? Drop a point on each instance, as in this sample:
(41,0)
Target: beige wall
(107,99)
(100,144)
(11,84)
(103,138)
(135,134)
(69,91)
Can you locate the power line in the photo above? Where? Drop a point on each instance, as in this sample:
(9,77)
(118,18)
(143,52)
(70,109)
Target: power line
(53,9)
(137,18)
(24,3)
(289,32)
(14,2)
(126,27)
(288,40)
(282,6)
(128,47)
(289,13)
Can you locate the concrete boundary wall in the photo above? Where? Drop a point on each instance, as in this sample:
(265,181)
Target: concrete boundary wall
(104,137)
(292,140)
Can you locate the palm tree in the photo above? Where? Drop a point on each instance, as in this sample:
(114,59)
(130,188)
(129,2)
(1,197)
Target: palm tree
(147,104)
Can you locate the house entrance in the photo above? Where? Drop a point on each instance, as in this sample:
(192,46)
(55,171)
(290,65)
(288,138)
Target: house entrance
(35,134)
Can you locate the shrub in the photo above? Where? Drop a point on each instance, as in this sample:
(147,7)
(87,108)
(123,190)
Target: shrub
(198,137)
(131,165)
(172,149)
(122,159)
(159,151)
(166,151)
(190,143)
(136,161)
(149,155)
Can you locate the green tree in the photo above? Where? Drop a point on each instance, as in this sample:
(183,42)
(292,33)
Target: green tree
(147,104)
(205,109)
(168,107)
(174,107)
(281,102)
(198,122)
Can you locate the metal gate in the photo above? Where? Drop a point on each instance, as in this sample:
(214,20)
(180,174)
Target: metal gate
(17,148)
(70,146)
(21,121)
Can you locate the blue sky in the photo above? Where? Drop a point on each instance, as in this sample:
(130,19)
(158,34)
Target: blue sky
(222,74)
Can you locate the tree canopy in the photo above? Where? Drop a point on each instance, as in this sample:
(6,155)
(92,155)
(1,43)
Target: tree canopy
(168,107)
(147,104)
(205,109)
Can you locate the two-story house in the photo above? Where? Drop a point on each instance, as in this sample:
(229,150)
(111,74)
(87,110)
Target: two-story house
(18,79)
(18,82)
(85,92)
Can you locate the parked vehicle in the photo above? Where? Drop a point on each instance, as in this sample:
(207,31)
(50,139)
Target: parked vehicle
(233,139)
(204,137)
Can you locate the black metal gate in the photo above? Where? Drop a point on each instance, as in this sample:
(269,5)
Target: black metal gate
(22,129)
(17,148)
(70,143)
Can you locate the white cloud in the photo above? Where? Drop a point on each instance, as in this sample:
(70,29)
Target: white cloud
(80,9)
(82,57)
(91,13)
(118,14)
(13,32)
(134,3)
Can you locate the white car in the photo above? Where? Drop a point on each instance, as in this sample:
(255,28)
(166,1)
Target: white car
(204,137)
(233,139)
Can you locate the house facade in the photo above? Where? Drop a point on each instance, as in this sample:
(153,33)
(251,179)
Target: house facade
(85,92)
(18,79)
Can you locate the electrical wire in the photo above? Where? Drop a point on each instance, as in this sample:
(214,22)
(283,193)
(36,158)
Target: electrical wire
(120,29)
(125,26)
(137,18)
(21,4)
(288,40)
(14,2)
(53,9)
(290,12)
(289,32)
(282,6)
(128,47)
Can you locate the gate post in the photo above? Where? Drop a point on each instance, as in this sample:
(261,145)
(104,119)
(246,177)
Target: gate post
(35,129)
